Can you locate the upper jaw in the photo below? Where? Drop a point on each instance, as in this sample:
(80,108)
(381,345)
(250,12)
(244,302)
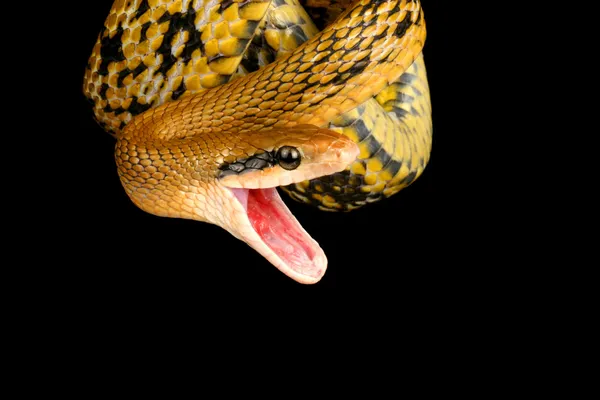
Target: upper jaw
(275,176)
(270,177)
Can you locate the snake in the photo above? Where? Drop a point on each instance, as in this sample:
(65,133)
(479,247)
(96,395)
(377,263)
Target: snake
(214,104)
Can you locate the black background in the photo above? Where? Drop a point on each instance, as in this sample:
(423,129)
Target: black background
(109,243)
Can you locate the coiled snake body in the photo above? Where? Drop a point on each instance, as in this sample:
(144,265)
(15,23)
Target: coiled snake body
(215,103)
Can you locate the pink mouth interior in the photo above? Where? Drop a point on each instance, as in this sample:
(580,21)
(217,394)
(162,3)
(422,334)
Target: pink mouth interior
(279,229)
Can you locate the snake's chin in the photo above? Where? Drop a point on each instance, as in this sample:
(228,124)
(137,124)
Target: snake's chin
(273,231)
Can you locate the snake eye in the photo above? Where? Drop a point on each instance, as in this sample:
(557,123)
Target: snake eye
(288,157)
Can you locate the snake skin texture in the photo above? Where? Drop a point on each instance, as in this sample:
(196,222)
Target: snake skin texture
(219,42)
(393,130)
(152,51)
(191,88)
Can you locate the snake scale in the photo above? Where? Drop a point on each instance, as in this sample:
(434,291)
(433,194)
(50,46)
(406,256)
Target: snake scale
(216,103)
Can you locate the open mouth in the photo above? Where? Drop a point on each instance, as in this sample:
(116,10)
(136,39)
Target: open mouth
(280,237)
(259,216)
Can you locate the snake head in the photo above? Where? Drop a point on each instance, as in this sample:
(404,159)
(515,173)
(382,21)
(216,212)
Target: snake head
(256,213)
(233,184)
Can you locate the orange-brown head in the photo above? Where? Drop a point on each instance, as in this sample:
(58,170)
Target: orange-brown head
(235,186)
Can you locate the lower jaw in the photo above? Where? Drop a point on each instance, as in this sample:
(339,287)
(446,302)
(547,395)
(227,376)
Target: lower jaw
(279,237)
